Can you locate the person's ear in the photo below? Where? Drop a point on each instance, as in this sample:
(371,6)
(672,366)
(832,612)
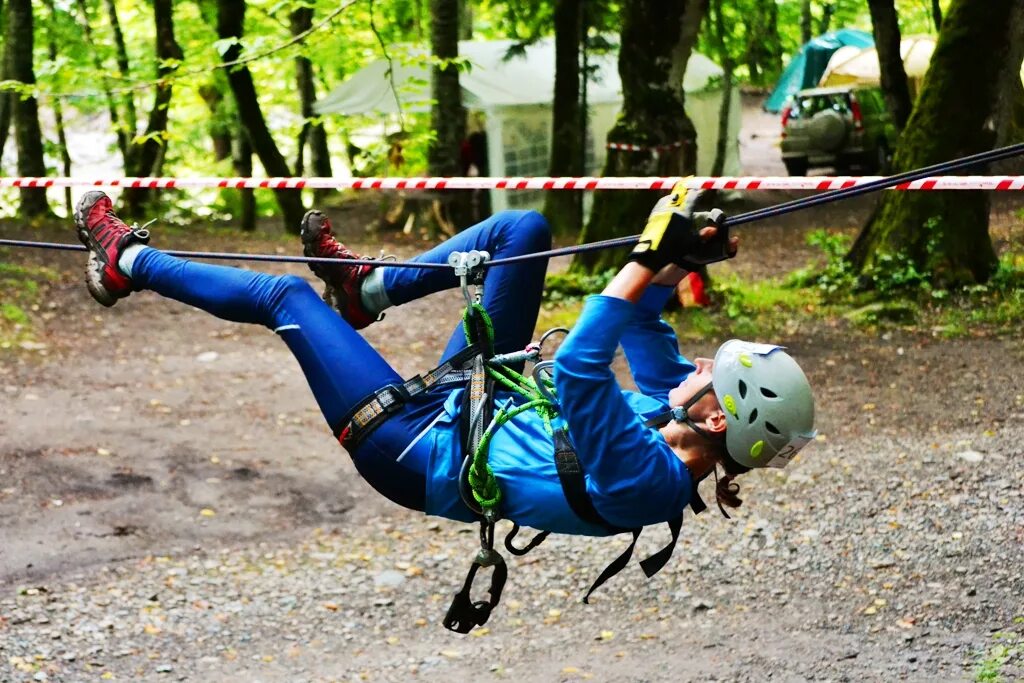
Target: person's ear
(715,422)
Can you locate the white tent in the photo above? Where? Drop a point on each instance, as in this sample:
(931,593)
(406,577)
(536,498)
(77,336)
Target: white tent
(514,95)
(857,66)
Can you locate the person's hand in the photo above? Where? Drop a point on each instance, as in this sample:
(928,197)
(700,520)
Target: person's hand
(671,235)
(716,244)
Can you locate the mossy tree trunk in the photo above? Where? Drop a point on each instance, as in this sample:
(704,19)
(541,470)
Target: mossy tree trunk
(652,115)
(564,209)
(1010,107)
(945,233)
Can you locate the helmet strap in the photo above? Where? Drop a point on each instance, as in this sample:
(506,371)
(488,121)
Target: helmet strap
(681,414)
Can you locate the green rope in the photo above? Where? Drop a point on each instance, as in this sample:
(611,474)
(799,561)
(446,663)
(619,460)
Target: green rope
(482,482)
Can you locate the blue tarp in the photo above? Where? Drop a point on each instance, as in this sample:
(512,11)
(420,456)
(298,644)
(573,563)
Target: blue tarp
(807,66)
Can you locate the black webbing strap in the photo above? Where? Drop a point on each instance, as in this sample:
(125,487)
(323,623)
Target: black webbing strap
(653,564)
(614,568)
(574,483)
(373,410)
(574,487)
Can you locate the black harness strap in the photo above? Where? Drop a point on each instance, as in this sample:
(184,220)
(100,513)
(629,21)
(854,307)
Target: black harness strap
(373,410)
(614,568)
(574,483)
(574,487)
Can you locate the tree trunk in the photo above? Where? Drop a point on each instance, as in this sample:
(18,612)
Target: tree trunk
(241,159)
(945,234)
(453,210)
(6,101)
(806,22)
(725,111)
(689,30)
(115,116)
(27,135)
(146,157)
(230,20)
(826,17)
(1010,103)
(465,20)
(764,45)
(128,98)
(937,14)
(563,209)
(886,27)
(652,115)
(314,133)
(58,111)
(219,127)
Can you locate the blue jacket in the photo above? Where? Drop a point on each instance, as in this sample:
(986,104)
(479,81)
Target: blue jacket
(633,477)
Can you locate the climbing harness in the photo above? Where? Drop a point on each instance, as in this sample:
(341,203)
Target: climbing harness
(480,370)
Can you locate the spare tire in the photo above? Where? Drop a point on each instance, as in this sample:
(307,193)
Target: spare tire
(827,130)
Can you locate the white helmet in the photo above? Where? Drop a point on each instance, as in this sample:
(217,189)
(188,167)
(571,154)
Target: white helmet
(767,402)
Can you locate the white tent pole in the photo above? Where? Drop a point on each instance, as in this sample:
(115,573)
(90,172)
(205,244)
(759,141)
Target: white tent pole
(495,155)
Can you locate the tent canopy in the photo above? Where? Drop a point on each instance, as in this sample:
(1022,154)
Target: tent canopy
(807,66)
(860,66)
(514,95)
(492,80)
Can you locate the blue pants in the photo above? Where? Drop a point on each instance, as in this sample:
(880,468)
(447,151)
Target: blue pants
(340,366)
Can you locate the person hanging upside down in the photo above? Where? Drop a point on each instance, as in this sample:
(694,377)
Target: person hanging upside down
(641,453)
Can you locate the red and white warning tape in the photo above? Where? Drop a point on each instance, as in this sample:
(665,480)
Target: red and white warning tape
(535,183)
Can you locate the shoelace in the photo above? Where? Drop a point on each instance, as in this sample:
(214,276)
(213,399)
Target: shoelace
(111,229)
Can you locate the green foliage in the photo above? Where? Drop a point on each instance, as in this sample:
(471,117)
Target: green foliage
(891,275)
(573,286)
(990,664)
(22,287)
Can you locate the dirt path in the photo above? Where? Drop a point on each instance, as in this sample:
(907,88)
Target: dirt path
(173,507)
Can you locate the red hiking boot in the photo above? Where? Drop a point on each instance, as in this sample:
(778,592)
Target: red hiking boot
(106,236)
(343,281)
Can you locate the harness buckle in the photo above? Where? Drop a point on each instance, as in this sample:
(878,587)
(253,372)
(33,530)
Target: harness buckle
(400,394)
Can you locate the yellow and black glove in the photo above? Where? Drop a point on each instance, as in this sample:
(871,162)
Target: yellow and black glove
(672,233)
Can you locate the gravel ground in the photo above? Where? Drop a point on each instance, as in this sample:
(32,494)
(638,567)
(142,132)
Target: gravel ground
(172,508)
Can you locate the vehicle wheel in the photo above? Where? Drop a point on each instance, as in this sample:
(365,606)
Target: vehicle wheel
(796,166)
(883,158)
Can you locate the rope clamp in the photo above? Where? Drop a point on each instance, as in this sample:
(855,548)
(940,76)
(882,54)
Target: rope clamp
(465,614)
(469,268)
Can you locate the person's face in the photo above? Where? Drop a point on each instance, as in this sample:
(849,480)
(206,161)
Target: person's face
(688,388)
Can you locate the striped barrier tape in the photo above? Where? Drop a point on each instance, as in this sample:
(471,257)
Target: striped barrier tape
(1014,183)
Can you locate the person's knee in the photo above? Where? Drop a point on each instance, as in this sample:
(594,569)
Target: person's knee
(291,286)
(530,231)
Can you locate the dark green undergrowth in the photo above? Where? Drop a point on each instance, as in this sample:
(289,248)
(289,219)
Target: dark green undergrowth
(22,288)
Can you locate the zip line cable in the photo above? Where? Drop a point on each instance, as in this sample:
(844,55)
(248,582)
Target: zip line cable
(740,219)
